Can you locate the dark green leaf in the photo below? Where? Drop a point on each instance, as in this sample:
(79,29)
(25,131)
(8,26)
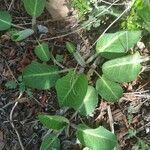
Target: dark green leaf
(50,142)
(5,20)
(96,139)
(40,76)
(71,89)
(34,7)
(109,90)
(42,52)
(53,122)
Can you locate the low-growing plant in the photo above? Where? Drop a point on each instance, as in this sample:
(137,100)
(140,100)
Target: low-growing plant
(93,12)
(139,16)
(72,86)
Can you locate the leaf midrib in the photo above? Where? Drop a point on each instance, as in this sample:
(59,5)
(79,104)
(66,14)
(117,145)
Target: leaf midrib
(72,86)
(35,8)
(44,52)
(42,74)
(4,21)
(134,61)
(109,88)
(111,42)
(96,135)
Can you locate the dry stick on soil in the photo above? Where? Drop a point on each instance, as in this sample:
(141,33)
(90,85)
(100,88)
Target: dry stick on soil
(10,6)
(11,72)
(12,124)
(111,122)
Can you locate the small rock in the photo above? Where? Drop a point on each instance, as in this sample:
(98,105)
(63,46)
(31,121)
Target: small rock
(42,29)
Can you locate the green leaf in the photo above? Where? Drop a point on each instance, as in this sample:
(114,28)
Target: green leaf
(144,12)
(50,142)
(71,89)
(11,84)
(5,20)
(34,7)
(124,69)
(109,90)
(89,102)
(70,47)
(113,45)
(42,52)
(53,122)
(96,139)
(21,35)
(40,76)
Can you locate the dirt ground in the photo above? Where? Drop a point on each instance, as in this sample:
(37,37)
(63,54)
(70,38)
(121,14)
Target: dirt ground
(131,115)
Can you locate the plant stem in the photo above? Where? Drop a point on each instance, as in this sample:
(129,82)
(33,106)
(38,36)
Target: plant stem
(34,23)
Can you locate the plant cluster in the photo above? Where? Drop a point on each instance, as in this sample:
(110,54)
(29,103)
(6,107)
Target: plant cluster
(72,86)
(93,12)
(139,16)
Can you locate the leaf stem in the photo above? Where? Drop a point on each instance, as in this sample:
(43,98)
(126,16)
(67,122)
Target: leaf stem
(34,23)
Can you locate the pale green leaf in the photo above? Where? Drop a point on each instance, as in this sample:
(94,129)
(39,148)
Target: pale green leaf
(53,122)
(113,45)
(42,52)
(5,20)
(124,69)
(34,7)
(71,89)
(21,35)
(70,47)
(109,90)
(50,142)
(40,76)
(89,102)
(96,139)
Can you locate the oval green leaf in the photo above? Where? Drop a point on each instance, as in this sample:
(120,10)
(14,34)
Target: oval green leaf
(70,47)
(53,122)
(124,69)
(40,76)
(21,35)
(5,20)
(71,89)
(42,52)
(109,90)
(96,139)
(89,102)
(34,7)
(113,45)
(50,142)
